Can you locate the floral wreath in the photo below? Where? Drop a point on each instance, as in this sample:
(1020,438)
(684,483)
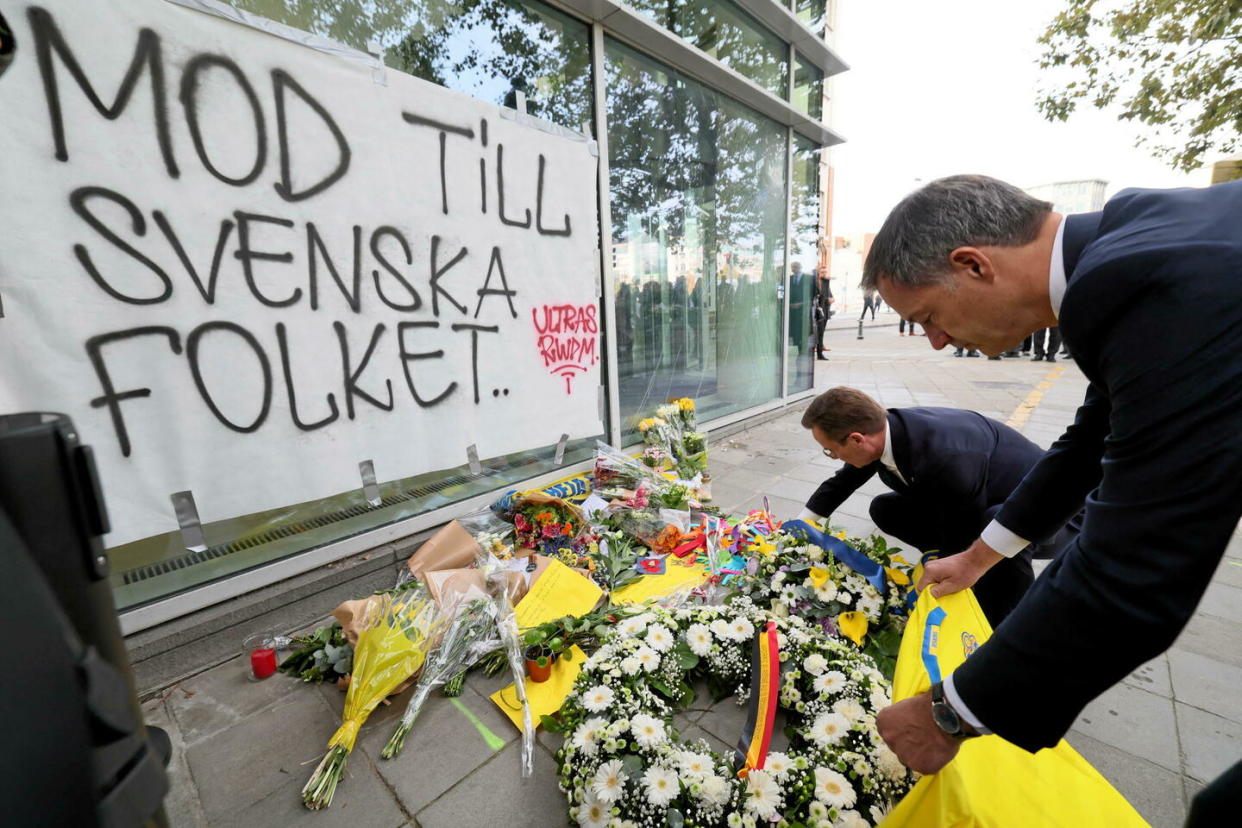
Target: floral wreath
(622,765)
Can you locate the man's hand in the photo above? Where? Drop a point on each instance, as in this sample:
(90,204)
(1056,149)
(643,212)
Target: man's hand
(957,572)
(910,731)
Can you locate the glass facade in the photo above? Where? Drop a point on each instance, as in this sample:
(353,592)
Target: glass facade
(702,204)
(813,14)
(804,235)
(728,34)
(488,49)
(808,92)
(697,185)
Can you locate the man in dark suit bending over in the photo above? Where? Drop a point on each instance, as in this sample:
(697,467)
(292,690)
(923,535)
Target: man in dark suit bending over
(949,471)
(1156,446)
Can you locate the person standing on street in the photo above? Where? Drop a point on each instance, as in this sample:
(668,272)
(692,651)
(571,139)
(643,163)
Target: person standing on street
(823,311)
(1157,442)
(869,304)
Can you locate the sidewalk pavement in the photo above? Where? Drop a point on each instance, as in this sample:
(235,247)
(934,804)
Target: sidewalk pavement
(244,750)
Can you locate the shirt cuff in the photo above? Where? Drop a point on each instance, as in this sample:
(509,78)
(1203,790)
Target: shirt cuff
(955,701)
(1002,540)
(807,514)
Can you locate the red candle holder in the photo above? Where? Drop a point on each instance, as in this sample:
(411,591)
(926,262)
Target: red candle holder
(259,655)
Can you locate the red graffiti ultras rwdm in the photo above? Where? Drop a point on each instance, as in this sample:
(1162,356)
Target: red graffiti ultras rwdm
(568,339)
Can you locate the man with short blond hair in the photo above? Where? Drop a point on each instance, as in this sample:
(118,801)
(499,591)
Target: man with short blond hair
(949,471)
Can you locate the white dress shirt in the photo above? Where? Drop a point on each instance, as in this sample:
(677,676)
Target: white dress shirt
(886,457)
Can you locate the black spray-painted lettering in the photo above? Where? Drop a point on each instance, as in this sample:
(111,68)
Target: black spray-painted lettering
(281,81)
(315,243)
(475,330)
(416,301)
(192,345)
(410,356)
(246,255)
(283,343)
(497,266)
(77,200)
(208,291)
(189,101)
(438,273)
(110,397)
(351,377)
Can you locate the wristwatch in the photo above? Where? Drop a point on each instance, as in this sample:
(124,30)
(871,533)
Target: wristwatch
(945,717)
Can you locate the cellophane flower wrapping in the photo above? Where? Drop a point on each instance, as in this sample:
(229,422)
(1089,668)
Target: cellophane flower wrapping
(396,635)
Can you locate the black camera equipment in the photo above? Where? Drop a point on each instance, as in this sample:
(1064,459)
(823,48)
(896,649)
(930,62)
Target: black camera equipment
(76,751)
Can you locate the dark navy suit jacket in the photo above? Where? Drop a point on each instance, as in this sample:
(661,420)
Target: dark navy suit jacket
(1153,316)
(958,462)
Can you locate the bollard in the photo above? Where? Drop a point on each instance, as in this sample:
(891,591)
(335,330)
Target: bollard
(860,334)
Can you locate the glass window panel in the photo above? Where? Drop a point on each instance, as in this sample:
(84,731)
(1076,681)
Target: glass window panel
(808,94)
(813,14)
(698,230)
(803,262)
(728,34)
(485,48)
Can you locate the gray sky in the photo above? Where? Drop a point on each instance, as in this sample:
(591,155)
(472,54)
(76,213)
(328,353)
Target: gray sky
(937,88)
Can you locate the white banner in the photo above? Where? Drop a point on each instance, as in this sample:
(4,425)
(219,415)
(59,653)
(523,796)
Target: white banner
(243,266)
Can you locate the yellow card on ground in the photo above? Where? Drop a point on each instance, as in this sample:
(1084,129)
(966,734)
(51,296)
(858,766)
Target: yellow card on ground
(558,592)
(674,577)
(545,697)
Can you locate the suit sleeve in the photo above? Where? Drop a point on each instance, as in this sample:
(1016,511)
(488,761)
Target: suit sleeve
(1169,496)
(833,491)
(1054,489)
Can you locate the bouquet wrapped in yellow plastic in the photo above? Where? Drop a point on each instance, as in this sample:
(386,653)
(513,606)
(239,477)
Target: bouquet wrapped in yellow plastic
(396,633)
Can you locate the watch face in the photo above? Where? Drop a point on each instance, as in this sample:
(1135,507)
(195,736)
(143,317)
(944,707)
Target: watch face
(946,719)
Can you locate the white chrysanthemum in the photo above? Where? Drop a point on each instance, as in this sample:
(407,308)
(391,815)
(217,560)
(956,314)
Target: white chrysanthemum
(741,629)
(586,737)
(851,819)
(659,638)
(720,628)
(828,592)
(849,708)
(593,813)
(763,794)
(598,698)
(777,764)
(648,658)
(833,789)
(828,728)
(609,782)
(832,681)
(694,764)
(699,637)
(661,785)
(734,820)
(630,665)
(815,664)
(888,763)
(713,791)
(648,731)
(879,700)
(599,657)
(632,626)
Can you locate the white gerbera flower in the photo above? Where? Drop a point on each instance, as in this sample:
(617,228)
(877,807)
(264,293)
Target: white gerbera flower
(609,782)
(720,628)
(630,665)
(828,592)
(598,698)
(699,637)
(695,764)
(851,819)
(659,638)
(740,629)
(777,764)
(815,664)
(832,681)
(879,700)
(648,658)
(713,791)
(632,626)
(593,813)
(833,789)
(829,728)
(844,598)
(648,731)
(661,785)
(586,737)
(763,794)
(849,708)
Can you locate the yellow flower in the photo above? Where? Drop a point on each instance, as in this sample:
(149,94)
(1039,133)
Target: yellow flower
(685,404)
(854,625)
(897,576)
(645,425)
(840,535)
(819,576)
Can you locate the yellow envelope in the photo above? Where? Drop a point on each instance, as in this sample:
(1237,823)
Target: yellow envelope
(545,697)
(558,592)
(674,578)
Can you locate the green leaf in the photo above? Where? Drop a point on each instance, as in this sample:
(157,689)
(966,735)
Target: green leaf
(632,765)
(674,818)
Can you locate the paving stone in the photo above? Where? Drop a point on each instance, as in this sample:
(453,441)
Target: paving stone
(443,747)
(222,696)
(1152,676)
(791,488)
(1155,792)
(267,752)
(1137,722)
(1213,637)
(1210,743)
(1229,572)
(729,494)
(1222,601)
(497,795)
(695,734)
(1207,683)
(724,720)
(181,803)
(810,473)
